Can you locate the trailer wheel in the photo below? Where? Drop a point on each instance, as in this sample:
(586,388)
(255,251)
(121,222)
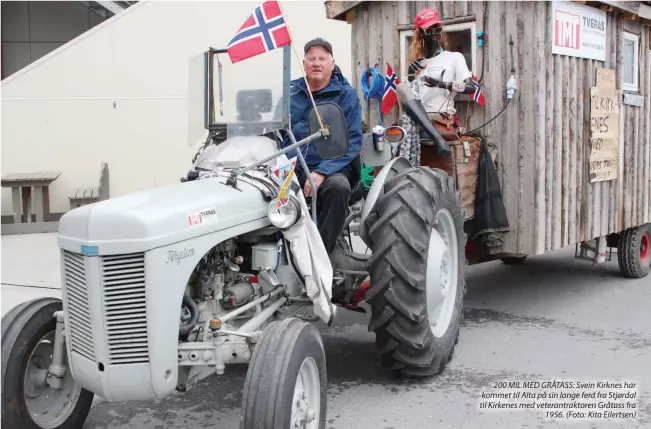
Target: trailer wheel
(286,383)
(417,270)
(28,401)
(634,251)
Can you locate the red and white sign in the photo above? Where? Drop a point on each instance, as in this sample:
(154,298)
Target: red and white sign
(202,216)
(579,30)
(567,30)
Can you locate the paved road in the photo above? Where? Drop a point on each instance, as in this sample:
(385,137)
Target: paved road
(552,318)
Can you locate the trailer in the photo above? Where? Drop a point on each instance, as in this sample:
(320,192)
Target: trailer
(572,148)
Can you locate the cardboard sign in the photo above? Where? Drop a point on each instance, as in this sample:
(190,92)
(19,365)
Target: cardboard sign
(604,127)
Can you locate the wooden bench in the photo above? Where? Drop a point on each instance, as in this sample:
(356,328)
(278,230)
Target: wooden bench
(21,185)
(83,196)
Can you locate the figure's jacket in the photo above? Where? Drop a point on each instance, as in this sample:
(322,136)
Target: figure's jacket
(341,92)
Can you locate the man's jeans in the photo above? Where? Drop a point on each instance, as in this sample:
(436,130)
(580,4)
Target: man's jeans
(332,206)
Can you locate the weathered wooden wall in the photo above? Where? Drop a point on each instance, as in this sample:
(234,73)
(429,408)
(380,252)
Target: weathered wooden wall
(543,134)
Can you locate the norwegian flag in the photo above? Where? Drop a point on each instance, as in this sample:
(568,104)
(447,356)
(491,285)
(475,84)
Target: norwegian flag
(390,96)
(262,32)
(478,95)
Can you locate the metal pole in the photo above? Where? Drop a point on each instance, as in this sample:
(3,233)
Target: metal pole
(251,304)
(275,155)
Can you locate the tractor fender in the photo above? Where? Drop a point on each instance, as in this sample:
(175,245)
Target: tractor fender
(377,189)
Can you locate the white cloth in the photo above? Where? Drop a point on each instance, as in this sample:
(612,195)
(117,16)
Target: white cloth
(456,70)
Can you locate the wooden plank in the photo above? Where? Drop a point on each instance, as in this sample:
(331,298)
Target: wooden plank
(616,63)
(461,8)
(557,198)
(579,124)
(540,115)
(448,10)
(511,133)
(337,9)
(528,123)
(41,176)
(586,203)
(566,154)
(372,19)
(550,84)
(631,136)
(360,50)
(647,133)
(402,13)
(615,188)
(572,158)
(390,46)
(641,140)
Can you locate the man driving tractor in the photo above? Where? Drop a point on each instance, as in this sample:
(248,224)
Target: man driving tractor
(334,178)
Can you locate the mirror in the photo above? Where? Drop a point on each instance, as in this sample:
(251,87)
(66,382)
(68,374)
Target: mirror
(336,144)
(252,102)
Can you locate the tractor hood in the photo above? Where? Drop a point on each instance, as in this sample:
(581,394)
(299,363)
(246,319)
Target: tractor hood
(161,216)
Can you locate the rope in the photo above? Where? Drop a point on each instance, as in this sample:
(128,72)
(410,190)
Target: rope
(374,91)
(318,115)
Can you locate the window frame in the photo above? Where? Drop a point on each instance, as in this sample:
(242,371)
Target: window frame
(404,48)
(635,38)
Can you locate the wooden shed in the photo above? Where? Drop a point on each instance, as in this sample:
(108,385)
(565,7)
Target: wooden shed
(544,140)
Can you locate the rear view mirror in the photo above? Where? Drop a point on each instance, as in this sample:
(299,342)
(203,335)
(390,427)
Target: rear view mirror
(336,144)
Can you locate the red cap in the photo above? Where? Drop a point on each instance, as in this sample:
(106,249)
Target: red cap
(426,18)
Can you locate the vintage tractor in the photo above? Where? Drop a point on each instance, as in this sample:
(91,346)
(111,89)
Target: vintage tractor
(165,287)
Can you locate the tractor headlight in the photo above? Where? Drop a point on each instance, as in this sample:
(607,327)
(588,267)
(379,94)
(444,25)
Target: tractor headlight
(285,216)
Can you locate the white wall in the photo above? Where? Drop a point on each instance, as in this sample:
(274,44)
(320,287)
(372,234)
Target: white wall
(119,94)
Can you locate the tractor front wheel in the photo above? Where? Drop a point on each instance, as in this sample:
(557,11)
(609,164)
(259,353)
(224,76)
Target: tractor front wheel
(286,384)
(417,271)
(32,397)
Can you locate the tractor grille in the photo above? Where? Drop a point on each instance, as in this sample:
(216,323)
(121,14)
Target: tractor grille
(79,322)
(125,311)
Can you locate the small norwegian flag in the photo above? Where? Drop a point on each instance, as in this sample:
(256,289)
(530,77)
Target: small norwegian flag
(390,96)
(478,95)
(262,32)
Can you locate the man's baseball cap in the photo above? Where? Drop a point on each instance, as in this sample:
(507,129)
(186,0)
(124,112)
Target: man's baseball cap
(426,18)
(318,42)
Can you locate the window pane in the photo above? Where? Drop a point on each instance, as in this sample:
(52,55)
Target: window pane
(627,61)
(461,41)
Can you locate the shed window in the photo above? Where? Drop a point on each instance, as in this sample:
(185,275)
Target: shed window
(630,57)
(461,38)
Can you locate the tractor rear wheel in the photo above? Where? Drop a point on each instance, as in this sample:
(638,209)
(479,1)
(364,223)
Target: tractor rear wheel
(417,271)
(634,251)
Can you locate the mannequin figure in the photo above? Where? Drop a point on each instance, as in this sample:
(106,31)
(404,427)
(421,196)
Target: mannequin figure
(438,72)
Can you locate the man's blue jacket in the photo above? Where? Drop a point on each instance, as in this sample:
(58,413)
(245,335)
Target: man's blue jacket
(341,92)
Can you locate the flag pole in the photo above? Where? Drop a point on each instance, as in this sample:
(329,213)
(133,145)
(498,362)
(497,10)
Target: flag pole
(318,115)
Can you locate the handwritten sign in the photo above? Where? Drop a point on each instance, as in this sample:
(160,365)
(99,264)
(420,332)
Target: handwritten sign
(604,127)
(606,78)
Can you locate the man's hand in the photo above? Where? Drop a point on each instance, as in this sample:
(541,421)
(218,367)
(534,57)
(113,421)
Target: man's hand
(318,179)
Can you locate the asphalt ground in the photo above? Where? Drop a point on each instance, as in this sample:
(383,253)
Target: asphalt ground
(553,318)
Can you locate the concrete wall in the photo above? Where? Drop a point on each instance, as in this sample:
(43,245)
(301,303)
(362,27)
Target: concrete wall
(31,29)
(118,93)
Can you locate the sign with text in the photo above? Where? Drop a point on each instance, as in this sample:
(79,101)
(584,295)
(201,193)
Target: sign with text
(604,127)
(579,30)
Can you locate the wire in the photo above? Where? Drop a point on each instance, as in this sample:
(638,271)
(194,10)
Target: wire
(31,286)
(374,91)
(492,119)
